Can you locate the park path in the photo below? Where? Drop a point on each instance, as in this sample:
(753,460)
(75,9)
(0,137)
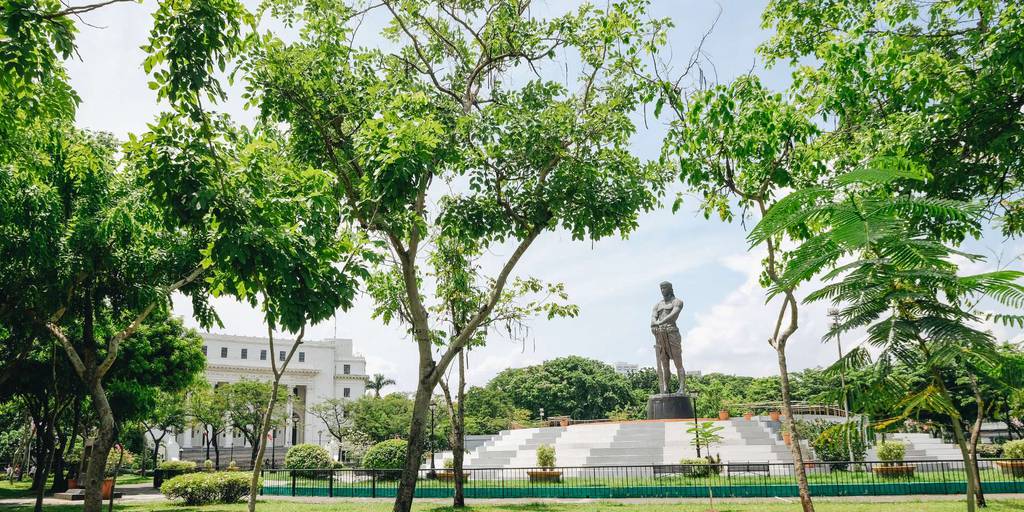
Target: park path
(133,493)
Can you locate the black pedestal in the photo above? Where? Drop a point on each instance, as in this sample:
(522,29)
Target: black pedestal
(669,406)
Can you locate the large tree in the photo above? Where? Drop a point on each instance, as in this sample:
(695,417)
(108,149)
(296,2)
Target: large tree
(567,386)
(433,135)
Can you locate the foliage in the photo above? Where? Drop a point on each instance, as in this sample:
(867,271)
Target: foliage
(835,443)
(178,465)
(381,419)
(936,82)
(245,402)
(388,454)
(990,451)
(571,386)
(490,410)
(307,456)
(891,451)
(1014,449)
(378,382)
(545,456)
(697,468)
(208,465)
(115,455)
(196,489)
(705,434)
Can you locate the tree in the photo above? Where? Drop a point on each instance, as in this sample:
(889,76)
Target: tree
(379,382)
(208,409)
(901,285)
(706,434)
(400,125)
(738,145)
(381,419)
(937,82)
(245,403)
(333,413)
(170,414)
(571,386)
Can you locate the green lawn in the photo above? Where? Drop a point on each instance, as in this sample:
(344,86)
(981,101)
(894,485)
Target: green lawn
(754,506)
(21,489)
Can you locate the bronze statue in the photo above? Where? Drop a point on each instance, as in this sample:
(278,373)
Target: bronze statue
(667,340)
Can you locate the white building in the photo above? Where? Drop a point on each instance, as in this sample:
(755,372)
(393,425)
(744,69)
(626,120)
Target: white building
(319,371)
(624,368)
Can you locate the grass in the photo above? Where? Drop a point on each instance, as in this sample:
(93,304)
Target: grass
(21,489)
(995,505)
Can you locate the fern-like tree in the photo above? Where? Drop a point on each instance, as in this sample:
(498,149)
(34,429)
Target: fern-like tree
(888,274)
(737,146)
(379,382)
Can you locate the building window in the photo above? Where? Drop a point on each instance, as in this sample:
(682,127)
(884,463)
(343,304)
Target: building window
(204,350)
(346,392)
(263,355)
(302,357)
(245,353)
(223,352)
(347,369)
(280,356)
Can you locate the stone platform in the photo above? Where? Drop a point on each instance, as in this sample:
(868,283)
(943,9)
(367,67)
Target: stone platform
(670,406)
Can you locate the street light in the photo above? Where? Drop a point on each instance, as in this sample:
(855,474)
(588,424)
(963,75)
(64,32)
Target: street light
(433,471)
(696,438)
(320,437)
(542,415)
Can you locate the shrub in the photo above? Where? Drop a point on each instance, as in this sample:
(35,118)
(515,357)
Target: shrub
(206,488)
(232,466)
(208,465)
(178,465)
(699,468)
(112,458)
(831,445)
(891,451)
(990,451)
(449,463)
(1014,449)
(307,456)
(546,456)
(388,454)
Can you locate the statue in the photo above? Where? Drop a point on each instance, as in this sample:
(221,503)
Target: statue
(667,340)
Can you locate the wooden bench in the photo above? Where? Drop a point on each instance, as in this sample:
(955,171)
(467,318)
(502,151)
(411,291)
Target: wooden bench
(748,467)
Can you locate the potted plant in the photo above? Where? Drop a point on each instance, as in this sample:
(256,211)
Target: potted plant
(546,463)
(1013,450)
(787,438)
(891,454)
(749,415)
(723,414)
(448,474)
(774,415)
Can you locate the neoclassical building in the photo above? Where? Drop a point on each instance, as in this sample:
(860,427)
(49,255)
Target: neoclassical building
(320,370)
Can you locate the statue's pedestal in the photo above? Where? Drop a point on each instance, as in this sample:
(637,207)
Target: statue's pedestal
(669,406)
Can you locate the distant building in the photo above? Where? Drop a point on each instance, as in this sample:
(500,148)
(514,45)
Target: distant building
(319,371)
(624,368)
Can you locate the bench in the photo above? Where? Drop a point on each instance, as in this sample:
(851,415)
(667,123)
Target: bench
(679,469)
(748,467)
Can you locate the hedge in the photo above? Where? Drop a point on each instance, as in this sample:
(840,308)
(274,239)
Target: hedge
(206,488)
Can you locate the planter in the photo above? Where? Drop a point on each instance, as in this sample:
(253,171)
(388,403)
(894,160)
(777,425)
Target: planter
(545,475)
(449,475)
(896,471)
(108,487)
(774,415)
(723,414)
(787,438)
(1012,467)
(564,422)
(748,416)
(72,483)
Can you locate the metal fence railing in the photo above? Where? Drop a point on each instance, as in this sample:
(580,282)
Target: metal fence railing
(745,479)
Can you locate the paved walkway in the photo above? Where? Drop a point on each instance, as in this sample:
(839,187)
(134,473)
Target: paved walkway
(133,493)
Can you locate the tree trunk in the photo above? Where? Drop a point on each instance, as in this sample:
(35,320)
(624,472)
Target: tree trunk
(67,445)
(42,469)
(216,451)
(417,430)
(459,432)
(156,446)
(794,444)
(95,472)
(257,464)
(979,401)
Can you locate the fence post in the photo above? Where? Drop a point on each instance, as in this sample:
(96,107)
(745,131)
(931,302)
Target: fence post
(262,477)
(373,484)
(330,483)
(293,483)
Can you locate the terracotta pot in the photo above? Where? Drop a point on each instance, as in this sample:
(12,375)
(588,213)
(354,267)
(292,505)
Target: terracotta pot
(774,415)
(1012,467)
(894,471)
(545,475)
(787,438)
(72,483)
(108,487)
(723,414)
(564,422)
(449,476)
(748,416)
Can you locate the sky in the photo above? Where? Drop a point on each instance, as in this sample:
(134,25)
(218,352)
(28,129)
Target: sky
(725,321)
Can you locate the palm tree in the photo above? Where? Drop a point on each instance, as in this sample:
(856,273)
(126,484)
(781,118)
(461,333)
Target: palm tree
(377,383)
(901,285)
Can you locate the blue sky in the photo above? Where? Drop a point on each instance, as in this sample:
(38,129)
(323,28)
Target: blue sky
(725,322)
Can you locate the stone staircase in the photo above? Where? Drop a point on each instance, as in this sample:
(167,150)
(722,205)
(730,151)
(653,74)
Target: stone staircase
(923,447)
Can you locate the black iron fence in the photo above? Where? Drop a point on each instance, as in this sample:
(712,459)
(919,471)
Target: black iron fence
(746,479)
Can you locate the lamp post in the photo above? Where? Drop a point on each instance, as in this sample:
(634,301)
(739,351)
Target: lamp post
(273,449)
(320,437)
(834,313)
(433,471)
(542,415)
